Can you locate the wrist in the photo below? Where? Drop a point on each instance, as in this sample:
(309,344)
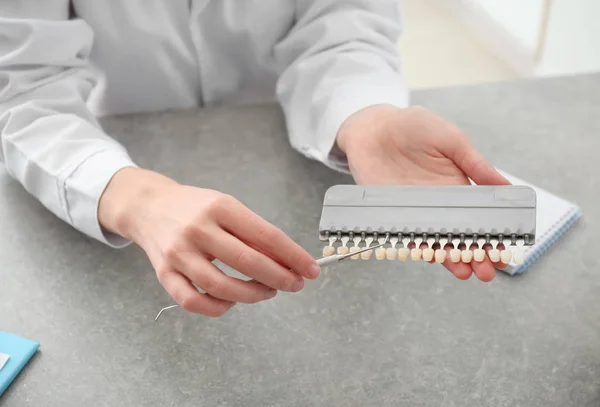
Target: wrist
(121,206)
(363,124)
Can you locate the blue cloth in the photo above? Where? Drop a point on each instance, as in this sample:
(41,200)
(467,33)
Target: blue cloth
(20,351)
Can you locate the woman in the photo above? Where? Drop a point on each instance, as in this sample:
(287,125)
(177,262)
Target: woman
(331,64)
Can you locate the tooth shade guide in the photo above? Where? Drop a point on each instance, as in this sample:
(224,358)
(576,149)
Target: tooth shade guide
(478,213)
(366,255)
(380,253)
(505,256)
(328,251)
(440,255)
(391,253)
(479,255)
(428,254)
(428,248)
(494,253)
(463,248)
(479,252)
(455,255)
(354,249)
(403,253)
(415,254)
(343,250)
(356,240)
(519,256)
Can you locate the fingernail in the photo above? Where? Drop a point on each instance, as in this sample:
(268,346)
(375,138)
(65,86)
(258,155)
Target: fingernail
(298,285)
(314,271)
(271,293)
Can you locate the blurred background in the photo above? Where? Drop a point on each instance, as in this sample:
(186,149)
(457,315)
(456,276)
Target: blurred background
(453,42)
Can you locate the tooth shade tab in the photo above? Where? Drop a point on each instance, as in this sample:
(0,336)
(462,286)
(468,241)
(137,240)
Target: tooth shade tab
(328,251)
(428,254)
(403,253)
(415,254)
(440,255)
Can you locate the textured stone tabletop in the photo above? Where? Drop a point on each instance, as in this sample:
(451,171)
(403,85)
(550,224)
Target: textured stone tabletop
(382,334)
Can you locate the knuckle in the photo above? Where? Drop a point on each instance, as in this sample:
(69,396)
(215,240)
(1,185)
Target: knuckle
(245,260)
(226,199)
(213,286)
(213,208)
(198,231)
(189,230)
(193,230)
(171,253)
(161,272)
(219,205)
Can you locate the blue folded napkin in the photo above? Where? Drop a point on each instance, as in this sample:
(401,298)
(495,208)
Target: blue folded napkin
(15,353)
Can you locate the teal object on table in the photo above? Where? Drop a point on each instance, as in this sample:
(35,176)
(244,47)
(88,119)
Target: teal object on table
(15,353)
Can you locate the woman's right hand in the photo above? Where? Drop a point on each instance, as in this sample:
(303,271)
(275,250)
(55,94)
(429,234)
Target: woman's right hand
(183,229)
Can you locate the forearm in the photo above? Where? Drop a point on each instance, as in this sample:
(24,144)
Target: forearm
(340,58)
(50,142)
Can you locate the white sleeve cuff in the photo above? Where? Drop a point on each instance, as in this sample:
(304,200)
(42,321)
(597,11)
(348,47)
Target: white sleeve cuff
(344,104)
(83,189)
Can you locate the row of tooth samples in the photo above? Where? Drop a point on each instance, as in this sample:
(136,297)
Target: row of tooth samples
(399,249)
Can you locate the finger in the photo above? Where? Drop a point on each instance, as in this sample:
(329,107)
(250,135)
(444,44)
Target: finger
(461,270)
(484,270)
(253,264)
(474,165)
(189,298)
(257,232)
(216,283)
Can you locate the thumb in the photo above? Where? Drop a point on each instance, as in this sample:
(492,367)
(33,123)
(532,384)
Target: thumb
(475,166)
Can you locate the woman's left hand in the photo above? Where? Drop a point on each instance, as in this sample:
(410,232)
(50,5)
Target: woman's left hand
(412,146)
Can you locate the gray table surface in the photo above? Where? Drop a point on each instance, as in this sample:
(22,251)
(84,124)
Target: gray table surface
(378,335)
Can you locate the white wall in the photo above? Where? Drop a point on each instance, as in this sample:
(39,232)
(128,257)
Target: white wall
(535,37)
(508,28)
(573,38)
(522,18)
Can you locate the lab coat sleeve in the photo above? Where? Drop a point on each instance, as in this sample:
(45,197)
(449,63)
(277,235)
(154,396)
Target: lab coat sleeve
(51,143)
(339,57)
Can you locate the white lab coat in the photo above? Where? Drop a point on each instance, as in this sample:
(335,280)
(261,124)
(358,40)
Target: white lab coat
(63,63)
